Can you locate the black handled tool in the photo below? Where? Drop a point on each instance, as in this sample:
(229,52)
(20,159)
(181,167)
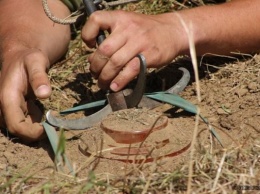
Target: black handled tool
(91,7)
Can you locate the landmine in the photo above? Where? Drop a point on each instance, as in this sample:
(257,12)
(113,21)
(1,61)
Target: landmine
(136,136)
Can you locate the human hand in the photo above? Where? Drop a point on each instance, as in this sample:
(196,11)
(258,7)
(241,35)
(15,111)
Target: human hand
(23,78)
(158,37)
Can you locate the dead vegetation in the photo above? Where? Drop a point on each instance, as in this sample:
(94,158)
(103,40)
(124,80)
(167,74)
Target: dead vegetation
(229,99)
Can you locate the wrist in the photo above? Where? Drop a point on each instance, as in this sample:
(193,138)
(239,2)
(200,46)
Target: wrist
(179,43)
(189,32)
(20,54)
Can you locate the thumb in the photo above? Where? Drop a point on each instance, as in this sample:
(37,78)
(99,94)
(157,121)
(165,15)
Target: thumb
(36,64)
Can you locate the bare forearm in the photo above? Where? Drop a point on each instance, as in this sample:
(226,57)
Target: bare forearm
(29,42)
(224,28)
(25,25)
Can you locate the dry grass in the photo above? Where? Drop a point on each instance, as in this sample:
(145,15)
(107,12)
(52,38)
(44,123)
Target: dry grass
(217,171)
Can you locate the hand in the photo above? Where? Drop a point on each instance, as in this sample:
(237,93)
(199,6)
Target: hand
(23,78)
(157,37)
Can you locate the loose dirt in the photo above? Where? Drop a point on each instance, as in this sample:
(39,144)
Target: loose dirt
(230,102)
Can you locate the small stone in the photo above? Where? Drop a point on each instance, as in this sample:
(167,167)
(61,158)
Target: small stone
(252,86)
(226,123)
(220,111)
(242,106)
(3,141)
(227,105)
(3,166)
(241,92)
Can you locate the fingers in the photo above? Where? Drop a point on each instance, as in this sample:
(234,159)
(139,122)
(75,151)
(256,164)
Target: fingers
(22,118)
(111,67)
(20,74)
(105,52)
(110,58)
(113,63)
(36,64)
(129,72)
(94,24)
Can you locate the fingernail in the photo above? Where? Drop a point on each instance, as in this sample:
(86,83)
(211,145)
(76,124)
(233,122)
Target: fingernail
(114,87)
(42,91)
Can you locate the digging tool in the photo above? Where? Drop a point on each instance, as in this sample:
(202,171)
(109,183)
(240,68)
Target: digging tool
(118,100)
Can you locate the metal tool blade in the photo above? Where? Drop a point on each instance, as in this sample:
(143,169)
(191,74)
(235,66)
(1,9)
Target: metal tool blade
(117,101)
(81,123)
(176,89)
(89,121)
(182,83)
(135,97)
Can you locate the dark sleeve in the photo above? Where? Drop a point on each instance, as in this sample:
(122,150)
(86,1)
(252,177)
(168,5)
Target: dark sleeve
(73,5)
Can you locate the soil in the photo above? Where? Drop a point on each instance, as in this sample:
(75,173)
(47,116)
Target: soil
(134,120)
(133,125)
(230,100)
(139,147)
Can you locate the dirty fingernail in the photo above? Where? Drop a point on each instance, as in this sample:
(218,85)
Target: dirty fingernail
(42,91)
(114,86)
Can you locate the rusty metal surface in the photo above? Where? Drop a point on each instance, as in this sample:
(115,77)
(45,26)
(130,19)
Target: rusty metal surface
(117,101)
